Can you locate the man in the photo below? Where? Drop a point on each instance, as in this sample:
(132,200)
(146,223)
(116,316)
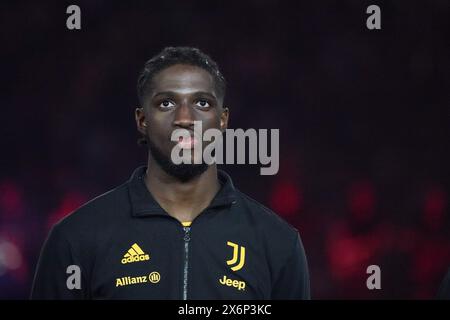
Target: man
(174,231)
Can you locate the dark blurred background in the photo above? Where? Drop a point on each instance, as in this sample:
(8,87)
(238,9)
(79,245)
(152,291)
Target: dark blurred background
(363,118)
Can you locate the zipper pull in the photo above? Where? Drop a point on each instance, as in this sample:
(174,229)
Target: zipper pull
(187,235)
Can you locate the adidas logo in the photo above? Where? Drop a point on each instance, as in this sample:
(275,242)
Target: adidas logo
(134,254)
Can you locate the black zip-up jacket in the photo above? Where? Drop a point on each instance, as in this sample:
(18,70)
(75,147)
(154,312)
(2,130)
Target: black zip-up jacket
(127,247)
(444,289)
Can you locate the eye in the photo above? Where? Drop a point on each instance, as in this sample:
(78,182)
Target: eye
(166,104)
(202,104)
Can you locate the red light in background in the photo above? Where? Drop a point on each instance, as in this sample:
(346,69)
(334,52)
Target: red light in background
(11,199)
(70,202)
(434,207)
(286,198)
(361,201)
(347,256)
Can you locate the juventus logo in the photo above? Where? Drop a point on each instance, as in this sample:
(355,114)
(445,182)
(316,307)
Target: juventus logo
(237,260)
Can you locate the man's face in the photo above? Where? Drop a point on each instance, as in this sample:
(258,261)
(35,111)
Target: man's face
(179,95)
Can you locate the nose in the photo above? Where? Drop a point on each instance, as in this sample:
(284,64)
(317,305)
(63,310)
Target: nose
(184,117)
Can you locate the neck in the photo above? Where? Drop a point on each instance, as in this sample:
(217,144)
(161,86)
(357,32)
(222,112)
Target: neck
(182,200)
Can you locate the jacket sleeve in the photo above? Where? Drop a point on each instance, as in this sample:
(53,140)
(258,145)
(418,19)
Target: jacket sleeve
(293,279)
(444,290)
(53,280)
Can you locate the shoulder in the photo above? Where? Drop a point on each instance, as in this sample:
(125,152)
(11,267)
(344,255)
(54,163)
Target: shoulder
(265,215)
(444,290)
(279,234)
(97,213)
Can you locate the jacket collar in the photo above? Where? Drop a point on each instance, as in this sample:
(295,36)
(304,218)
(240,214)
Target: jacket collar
(143,204)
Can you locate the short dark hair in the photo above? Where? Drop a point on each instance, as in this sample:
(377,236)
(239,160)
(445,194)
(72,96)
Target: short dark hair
(170,56)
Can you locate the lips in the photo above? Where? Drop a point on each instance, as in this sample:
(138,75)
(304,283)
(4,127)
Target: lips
(187,142)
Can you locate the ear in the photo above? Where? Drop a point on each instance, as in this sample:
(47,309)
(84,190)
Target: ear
(224,119)
(141,121)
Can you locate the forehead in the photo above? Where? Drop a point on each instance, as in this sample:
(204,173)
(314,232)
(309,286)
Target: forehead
(183,78)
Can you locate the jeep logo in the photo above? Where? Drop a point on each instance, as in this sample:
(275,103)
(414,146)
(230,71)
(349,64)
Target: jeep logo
(240,285)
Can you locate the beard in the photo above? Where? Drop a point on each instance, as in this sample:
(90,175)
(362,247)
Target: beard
(183,172)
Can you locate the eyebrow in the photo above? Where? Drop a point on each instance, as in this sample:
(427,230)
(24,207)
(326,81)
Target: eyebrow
(173,93)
